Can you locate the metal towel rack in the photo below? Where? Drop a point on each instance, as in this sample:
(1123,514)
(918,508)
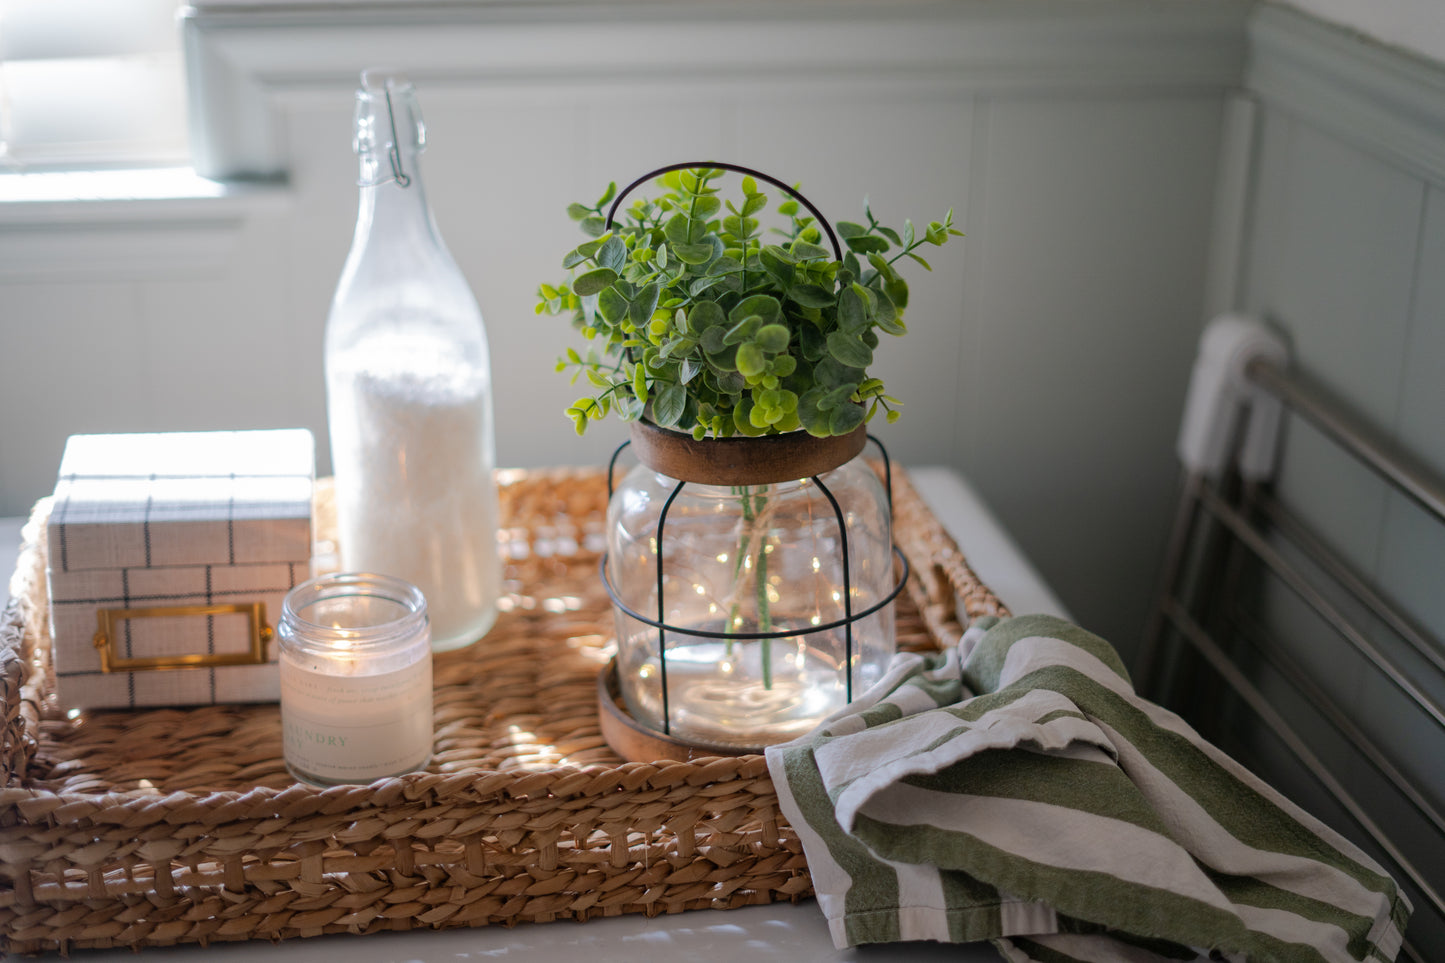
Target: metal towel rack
(1223,530)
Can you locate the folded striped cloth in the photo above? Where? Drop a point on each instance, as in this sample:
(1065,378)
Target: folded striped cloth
(1060,815)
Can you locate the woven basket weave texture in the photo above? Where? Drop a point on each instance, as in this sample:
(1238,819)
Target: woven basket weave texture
(164,826)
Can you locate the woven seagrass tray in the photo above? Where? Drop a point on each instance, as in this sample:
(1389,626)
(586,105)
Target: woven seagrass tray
(164,826)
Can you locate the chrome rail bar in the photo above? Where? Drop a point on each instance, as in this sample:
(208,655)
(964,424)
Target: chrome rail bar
(1392,462)
(1266,553)
(1219,660)
(1204,509)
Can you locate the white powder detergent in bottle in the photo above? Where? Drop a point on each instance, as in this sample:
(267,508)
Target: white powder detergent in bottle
(408,387)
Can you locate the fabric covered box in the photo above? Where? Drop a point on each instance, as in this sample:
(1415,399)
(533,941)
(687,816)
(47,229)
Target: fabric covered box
(170,555)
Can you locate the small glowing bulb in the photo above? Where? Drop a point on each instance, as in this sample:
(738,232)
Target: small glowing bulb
(726,667)
(817,620)
(817,563)
(700,590)
(837,597)
(723,557)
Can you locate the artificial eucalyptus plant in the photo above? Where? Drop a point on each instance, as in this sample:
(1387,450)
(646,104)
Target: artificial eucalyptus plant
(696,319)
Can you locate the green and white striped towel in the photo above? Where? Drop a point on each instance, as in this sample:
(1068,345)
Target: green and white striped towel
(1065,818)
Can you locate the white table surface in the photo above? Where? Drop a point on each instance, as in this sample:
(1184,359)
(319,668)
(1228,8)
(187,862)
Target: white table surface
(777,932)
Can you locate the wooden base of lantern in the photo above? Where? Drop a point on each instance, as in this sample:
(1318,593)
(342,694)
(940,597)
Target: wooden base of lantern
(761,460)
(636,742)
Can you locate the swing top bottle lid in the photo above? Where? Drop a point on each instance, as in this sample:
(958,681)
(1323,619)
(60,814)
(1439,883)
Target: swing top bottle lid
(387,113)
(376,80)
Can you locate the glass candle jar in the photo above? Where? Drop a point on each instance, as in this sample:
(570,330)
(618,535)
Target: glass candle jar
(356,679)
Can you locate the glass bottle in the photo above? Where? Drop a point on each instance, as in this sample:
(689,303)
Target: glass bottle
(749,560)
(408,387)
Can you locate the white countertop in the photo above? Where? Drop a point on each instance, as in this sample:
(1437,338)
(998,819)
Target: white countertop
(777,932)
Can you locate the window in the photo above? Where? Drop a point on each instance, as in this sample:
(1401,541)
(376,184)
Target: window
(90,84)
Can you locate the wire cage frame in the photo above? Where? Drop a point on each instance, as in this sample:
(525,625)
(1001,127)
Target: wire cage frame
(850,618)
(846,623)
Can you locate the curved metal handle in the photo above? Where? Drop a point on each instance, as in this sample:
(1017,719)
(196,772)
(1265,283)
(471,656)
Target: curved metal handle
(737,169)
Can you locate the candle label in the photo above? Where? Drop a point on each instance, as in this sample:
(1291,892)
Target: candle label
(353,728)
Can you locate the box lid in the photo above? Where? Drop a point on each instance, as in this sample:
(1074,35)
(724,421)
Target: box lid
(183,498)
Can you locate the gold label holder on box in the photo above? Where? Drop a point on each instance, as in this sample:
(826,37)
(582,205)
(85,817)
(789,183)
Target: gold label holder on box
(110,619)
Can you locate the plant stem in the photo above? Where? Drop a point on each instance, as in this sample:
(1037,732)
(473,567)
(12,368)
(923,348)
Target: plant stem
(765,614)
(754,538)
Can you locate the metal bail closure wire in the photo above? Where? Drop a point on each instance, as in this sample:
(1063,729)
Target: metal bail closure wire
(372,176)
(394,151)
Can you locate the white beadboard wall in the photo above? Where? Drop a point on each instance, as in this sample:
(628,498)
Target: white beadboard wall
(1076,141)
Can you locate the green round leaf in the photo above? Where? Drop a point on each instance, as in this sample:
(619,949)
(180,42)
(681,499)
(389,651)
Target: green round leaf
(704,315)
(594,281)
(849,349)
(852,311)
(742,418)
(845,418)
(693,253)
(760,305)
(611,305)
(667,406)
(773,338)
(706,207)
(867,244)
(613,254)
(639,312)
(724,360)
(751,362)
(813,419)
(804,251)
(811,295)
(713,339)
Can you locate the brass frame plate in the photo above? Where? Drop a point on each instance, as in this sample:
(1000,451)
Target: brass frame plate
(110,619)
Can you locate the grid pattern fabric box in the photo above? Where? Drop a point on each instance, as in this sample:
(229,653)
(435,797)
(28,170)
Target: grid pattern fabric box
(170,556)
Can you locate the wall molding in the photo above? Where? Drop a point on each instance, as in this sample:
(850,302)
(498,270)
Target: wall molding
(114,232)
(244,60)
(140,247)
(1386,100)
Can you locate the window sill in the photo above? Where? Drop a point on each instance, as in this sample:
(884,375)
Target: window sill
(124,224)
(171,192)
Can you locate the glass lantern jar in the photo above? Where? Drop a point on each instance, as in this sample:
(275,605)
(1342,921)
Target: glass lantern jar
(753,597)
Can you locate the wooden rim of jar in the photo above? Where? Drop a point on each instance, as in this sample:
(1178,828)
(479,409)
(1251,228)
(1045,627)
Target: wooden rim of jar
(742,460)
(635,742)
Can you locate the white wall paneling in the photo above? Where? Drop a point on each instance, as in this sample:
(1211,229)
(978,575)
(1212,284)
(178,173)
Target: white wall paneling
(1076,142)
(244,58)
(1083,312)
